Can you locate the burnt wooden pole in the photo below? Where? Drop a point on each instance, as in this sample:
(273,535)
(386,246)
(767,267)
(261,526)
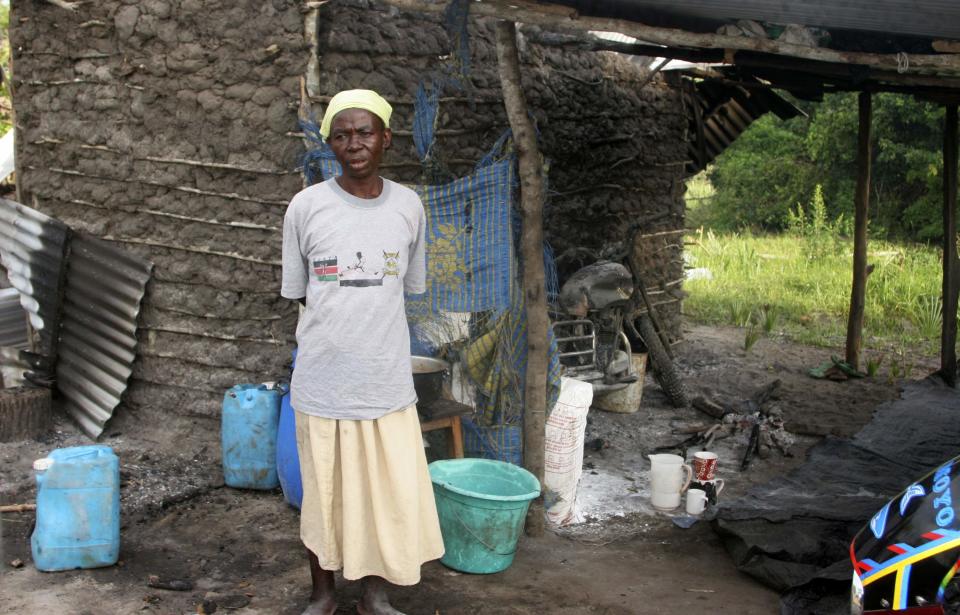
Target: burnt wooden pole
(861,205)
(948,335)
(531,251)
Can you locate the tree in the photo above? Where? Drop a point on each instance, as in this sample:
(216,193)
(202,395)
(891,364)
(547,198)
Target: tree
(777,164)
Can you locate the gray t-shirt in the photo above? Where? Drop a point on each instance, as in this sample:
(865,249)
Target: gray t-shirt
(353,259)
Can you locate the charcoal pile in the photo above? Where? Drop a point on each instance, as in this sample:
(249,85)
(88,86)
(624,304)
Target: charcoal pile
(759,417)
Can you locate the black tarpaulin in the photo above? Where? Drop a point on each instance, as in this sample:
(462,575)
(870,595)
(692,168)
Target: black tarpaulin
(793,533)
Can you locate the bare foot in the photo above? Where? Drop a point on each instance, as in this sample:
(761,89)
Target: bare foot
(323,598)
(374,600)
(382,610)
(324,606)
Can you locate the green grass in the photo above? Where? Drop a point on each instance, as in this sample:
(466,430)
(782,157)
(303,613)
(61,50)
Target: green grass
(777,284)
(698,197)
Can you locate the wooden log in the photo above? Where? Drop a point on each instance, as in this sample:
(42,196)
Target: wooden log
(946,46)
(950,284)
(842,75)
(24,413)
(861,204)
(709,407)
(767,392)
(531,247)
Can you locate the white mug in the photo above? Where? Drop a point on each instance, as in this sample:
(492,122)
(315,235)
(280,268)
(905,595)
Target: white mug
(696,501)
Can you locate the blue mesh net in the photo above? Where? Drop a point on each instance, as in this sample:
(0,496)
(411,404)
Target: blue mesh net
(425,119)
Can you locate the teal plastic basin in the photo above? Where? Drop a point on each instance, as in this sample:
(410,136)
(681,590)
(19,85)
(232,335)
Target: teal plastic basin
(482,505)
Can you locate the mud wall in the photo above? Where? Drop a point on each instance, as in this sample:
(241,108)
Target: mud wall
(170,128)
(613,140)
(162,125)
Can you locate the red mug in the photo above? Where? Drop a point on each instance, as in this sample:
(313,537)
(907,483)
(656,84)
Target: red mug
(704,465)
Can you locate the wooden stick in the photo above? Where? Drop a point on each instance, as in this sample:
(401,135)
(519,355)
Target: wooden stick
(213,316)
(653,73)
(752,445)
(311,82)
(216,165)
(862,205)
(152,212)
(678,231)
(70,6)
(157,244)
(48,84)
(401,100)
(592,189)
(444,132)
(531,242)
(14,508)
(147,352)
(950,284)
(226,338)
(184,161)
(558,17)
(223,195)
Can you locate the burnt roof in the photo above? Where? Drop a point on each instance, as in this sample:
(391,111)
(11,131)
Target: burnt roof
(882,22)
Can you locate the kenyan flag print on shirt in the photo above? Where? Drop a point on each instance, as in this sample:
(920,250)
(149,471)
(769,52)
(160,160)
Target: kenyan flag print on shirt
(325,269)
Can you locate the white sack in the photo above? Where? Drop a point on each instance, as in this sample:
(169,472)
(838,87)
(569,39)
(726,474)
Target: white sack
(563,463)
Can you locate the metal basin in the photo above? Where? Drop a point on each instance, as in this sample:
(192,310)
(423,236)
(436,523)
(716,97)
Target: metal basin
(428,375)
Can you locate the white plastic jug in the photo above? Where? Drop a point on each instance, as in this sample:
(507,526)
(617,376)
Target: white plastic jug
(669,478)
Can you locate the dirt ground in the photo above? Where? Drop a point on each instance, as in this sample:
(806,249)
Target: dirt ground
(240,549)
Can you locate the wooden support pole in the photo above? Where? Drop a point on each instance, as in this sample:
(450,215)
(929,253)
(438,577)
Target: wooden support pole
(531,250)
(948,335)
(861,204)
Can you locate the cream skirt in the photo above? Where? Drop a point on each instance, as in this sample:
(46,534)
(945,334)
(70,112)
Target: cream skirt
(368,504)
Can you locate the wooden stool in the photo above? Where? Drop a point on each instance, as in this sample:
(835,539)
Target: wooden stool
(445,414)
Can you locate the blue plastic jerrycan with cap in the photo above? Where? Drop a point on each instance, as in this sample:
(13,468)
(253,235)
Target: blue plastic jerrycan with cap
(248,432)
(78,509)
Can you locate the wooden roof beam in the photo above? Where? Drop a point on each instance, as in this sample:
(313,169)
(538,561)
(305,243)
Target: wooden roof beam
(564,18)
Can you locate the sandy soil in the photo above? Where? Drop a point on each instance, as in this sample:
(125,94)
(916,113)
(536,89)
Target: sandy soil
(241,547)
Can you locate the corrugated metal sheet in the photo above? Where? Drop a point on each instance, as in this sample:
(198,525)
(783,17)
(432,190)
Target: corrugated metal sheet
(14,337)
(930,18)
(83,296)
(98,337)
(13,320)
(32,248)
(726,111)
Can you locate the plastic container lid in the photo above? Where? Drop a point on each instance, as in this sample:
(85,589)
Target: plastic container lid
(42,465)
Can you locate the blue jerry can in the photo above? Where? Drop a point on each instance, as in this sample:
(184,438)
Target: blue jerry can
(288,458)
(248,432)
(78,509)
